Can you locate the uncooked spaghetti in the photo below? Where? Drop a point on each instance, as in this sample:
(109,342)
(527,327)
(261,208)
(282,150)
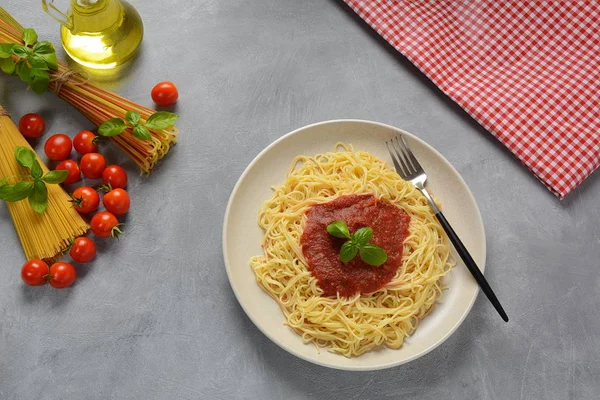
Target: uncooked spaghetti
(353,325)
(47,235)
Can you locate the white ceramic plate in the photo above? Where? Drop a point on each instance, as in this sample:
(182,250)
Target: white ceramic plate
(242,237)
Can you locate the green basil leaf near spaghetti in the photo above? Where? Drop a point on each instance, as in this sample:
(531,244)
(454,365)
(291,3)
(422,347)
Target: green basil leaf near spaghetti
(23,71)
(8,66)
(25,157)
(161,120)
(6,50)
(112,127)
(339,229)
(39,81)
(38,199)
(133,117)
(29,36)
(45,50)
(373,255)
(21,51)
(348,251)
(141,132)
(36,170)
(56,176)
(38,63)
(16,192)
(363,236)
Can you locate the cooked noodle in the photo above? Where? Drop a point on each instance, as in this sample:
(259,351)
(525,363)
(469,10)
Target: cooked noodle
(354,325)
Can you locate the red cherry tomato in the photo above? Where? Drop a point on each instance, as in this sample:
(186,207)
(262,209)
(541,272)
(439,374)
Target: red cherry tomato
(83,250)
(32,125)
(58,147)
(164,94)
(83,142)
(73,168)
(62,275)
(105,224)
(116,201)
(34,272)
(85,199)
(92,165)
(116,176)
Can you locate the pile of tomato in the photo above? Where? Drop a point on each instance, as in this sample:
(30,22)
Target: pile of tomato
(85,199)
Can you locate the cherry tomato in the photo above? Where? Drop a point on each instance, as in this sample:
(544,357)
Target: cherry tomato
(115,176)
(32,125)
(58,147)
(34,272)
(73,168)
(105,224)
(83,250)
(116,201)
(92,165)
(83,142)
(164,94)
(85,199)
(62,275)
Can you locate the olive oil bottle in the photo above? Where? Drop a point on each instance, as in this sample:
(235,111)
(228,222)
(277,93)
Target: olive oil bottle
(98,34)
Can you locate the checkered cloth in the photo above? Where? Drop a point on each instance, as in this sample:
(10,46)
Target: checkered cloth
(528,71)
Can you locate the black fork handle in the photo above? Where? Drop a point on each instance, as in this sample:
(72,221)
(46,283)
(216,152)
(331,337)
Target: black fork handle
(471,265)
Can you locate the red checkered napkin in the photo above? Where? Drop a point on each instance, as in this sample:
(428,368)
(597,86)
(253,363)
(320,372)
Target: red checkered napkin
(528,71)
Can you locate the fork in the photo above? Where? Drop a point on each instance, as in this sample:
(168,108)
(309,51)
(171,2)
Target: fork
(410,170)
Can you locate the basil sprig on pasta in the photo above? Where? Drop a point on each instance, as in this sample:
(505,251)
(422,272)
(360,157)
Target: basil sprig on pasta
(357,244)
(31,61)
(159,120)
(32,185)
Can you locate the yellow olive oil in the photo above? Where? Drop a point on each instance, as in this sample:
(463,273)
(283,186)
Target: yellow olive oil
(101,34)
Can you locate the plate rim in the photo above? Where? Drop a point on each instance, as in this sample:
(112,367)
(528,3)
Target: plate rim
(290,349)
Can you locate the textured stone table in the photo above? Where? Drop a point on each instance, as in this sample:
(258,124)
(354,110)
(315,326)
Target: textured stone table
(154,317)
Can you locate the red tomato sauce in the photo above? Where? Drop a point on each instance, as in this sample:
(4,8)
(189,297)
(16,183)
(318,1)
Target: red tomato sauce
(321,250)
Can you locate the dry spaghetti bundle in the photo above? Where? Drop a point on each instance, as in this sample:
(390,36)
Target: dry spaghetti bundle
(47,235)
(99,105)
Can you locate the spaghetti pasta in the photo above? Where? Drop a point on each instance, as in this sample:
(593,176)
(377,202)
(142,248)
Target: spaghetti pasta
(47,235)
(353,325)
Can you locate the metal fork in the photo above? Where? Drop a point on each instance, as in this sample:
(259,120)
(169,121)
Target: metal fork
(409,169)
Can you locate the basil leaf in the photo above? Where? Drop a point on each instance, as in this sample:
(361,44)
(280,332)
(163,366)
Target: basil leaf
(141,132)
(36,170)
(6,50)
(56,176)
(29,36)
(373,255)
(16,192)
(133,117)
(112,127)
(45,51)
(339,229)
(23,71)
(21,51)
(39,81)
(38,199)
(362,236)
(348,251)
(8,66)
(161,120)
(3,181)
(38,63)
(25,157)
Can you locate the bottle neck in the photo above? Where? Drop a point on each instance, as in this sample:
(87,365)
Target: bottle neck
(95,15)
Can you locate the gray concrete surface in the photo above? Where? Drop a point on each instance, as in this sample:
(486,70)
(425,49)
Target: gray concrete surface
(154,317)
